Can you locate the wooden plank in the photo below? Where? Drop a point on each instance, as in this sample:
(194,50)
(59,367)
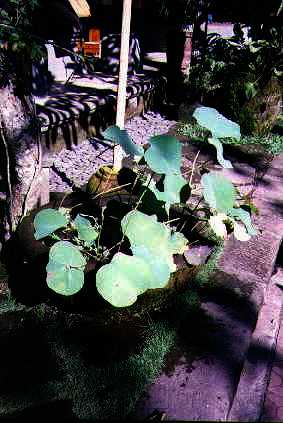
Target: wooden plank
(81,7)
(123,72)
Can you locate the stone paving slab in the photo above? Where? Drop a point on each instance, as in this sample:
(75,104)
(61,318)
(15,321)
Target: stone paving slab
(273,404)
(249,265)
(204,388)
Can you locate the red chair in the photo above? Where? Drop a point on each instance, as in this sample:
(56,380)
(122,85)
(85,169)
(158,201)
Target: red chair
(93,46)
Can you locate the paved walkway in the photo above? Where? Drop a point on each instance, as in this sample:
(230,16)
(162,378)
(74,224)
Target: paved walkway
(273,405)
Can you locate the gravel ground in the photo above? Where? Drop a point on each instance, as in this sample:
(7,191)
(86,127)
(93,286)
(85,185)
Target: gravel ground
(74,167)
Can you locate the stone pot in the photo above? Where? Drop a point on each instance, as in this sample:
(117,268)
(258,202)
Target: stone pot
(103,180)
(109,183)
(28,285)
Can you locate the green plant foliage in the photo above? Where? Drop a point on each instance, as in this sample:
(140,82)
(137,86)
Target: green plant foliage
(250,90)
(48,221)
(64,252)
(220,127)
(65,269)
(123,279)
(141,229)
(219,153)
(86,232)
(153,246)
(163,157)
(160,265)
(193,131)
(217,124)
(218,192)
(178,243)
(16,28)
(164,154)
(121,137)
(244,217)
(173,185)
(272,143)
(145,233)
(66,281)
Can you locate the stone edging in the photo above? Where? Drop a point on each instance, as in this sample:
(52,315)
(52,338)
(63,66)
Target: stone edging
(247,269)
(249,398)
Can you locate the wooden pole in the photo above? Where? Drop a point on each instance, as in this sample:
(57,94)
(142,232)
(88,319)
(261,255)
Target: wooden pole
(123,72)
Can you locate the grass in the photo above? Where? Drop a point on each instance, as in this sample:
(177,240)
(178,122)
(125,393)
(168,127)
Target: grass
(203,276)
(7,303)
(272,143)
(111,392)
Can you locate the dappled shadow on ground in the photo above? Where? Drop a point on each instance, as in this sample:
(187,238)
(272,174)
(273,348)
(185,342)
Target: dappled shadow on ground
(253,154)
(276,206)
(210,332)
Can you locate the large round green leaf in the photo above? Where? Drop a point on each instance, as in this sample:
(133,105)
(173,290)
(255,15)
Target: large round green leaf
(217,124)
(53,266)
(120,136)
(144,230)
(123,279)
(48,221)
(66,253)
(218,191)
(160,264)
(164,154)
(66,281)
(86,231)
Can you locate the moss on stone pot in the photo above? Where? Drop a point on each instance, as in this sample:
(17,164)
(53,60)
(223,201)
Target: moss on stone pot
(103,180)
(110,183)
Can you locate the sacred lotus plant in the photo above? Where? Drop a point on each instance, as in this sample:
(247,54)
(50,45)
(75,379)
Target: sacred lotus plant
(153,243)
(125,277)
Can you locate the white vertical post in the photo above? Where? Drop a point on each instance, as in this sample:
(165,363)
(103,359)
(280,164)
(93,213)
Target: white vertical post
(123,72)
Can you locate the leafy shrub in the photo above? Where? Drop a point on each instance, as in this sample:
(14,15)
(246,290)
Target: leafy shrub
(236,70)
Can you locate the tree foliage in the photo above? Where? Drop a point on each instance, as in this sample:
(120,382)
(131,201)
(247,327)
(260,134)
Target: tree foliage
(18,46)
(16,26)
